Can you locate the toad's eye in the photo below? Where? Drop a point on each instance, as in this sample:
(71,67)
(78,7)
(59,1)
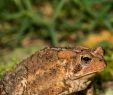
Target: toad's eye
(85,59)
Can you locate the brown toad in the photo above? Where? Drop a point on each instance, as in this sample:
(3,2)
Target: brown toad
(54,71)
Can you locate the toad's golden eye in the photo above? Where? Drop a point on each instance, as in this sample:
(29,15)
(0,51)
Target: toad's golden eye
(85,59)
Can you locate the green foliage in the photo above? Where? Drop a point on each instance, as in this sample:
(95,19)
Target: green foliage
(69,15)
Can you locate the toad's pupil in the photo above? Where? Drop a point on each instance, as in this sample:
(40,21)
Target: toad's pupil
(86,59)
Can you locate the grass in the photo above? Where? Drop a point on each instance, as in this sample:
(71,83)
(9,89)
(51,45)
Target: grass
(68,16)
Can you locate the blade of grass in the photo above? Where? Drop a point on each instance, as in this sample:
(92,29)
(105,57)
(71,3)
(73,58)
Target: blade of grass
(18,3)
(24,25)
(37,19)
(27,4)
(15,15)
(52,31)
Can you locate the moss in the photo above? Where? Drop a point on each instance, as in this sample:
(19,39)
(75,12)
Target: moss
(11,58)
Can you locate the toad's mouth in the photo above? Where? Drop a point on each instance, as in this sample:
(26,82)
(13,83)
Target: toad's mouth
(86,75)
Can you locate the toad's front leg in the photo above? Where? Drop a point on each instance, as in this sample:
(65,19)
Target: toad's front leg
(90,90)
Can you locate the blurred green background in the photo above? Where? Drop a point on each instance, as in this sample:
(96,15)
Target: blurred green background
(29,25)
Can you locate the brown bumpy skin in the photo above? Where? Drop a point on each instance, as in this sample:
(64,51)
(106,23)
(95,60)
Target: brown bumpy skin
(54,71)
